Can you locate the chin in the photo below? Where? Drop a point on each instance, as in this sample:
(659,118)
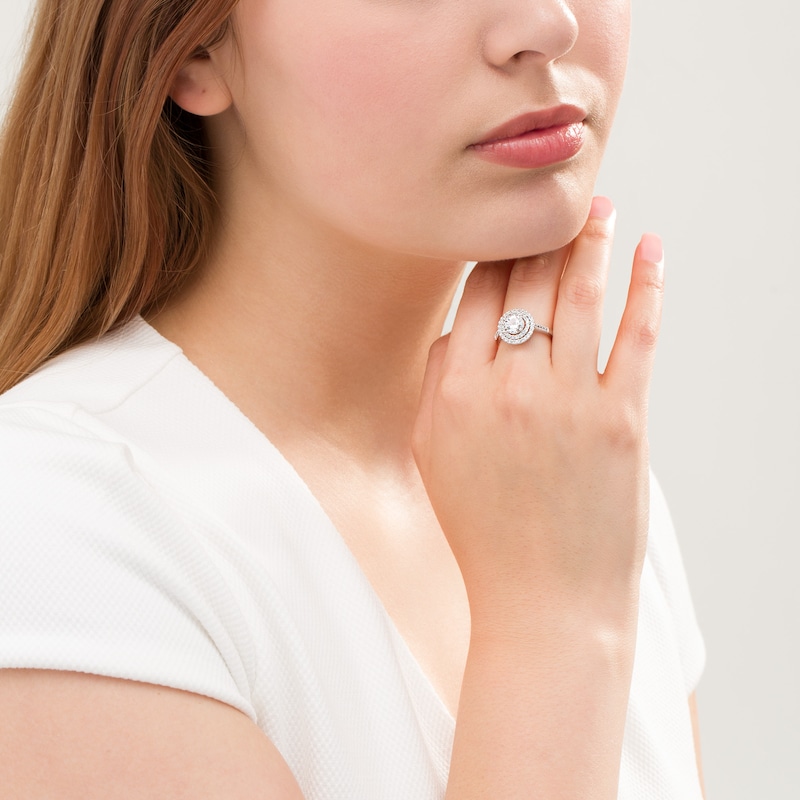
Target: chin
(549,226)
(526,216)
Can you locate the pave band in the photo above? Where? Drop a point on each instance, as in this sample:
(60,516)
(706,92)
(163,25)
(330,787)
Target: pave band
(517,326)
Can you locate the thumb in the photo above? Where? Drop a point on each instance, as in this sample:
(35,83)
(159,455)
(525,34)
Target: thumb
(424,422)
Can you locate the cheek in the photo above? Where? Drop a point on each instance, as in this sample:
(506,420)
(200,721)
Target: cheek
(603,42)
(372,102)
(333,79)
(361,120)
(359,76)
(349,119)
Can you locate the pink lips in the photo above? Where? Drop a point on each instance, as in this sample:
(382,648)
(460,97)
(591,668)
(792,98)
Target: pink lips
(535,140)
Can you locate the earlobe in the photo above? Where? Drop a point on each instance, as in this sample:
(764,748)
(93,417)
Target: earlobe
(198,89)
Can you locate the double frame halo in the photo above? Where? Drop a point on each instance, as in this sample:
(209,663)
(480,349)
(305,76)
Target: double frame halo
(517,326)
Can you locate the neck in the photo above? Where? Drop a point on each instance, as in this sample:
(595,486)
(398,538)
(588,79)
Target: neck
(308,332)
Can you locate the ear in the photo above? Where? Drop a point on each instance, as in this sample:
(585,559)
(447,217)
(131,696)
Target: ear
(199,89)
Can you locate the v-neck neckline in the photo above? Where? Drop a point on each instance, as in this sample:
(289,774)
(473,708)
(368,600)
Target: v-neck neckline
(291,474)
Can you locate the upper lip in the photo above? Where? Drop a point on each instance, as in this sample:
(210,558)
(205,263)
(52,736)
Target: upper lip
(534,120)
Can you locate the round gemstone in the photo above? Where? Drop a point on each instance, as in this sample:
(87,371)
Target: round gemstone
(514,324)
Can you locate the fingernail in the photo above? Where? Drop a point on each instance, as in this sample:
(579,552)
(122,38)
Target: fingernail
(602,208)
(651,248)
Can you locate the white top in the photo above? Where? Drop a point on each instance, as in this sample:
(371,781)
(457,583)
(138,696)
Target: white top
(149,531)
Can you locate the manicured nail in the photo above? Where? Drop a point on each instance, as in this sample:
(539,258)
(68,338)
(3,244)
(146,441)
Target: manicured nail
(651,248)
(602,208)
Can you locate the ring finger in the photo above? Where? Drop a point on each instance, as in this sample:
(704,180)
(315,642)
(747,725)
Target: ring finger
(533,287)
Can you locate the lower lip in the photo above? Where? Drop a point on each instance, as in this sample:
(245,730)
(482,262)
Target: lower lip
(534,149)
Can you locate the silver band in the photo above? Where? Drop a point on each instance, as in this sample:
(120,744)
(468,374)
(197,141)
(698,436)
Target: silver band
(517,326)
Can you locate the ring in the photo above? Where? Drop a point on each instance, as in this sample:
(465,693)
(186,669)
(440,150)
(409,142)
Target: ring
(517,326)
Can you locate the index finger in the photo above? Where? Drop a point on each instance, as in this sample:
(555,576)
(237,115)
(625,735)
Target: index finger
(472,337)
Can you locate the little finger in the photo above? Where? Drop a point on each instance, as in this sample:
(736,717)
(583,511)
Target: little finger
(630,364)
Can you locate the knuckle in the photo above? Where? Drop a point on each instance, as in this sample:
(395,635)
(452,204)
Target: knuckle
(531,273)
(453,390)
(642,331)
(652,279)
(582,291)
(622,427)
(596,229)
(513,398)
(485,278)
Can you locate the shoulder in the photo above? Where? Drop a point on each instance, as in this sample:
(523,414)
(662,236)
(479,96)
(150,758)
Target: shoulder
(54,471)
(96,376)
(63,459)
(59,462)
(102,572)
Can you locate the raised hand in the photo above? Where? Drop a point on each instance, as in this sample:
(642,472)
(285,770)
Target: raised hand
(536,463)
(537,467)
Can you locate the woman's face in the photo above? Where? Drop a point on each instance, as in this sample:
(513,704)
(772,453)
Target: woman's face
(359,115)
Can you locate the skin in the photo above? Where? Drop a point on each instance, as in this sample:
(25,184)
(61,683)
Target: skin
(502,527)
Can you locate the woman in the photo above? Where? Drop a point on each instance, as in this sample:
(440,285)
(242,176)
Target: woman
(260,538)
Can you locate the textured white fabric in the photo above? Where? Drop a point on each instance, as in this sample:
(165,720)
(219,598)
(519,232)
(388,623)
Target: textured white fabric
(149,531)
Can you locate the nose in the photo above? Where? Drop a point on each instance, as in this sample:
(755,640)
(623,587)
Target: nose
(540,29)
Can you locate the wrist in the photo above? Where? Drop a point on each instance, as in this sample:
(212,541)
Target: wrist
(508,619)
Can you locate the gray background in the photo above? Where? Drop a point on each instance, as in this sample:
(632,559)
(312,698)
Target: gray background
(705,152)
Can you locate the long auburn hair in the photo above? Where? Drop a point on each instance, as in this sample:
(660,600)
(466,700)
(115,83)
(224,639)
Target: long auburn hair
(106,203)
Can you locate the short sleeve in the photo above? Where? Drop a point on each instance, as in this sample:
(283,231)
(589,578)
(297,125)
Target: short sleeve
(99,574)
(665,556)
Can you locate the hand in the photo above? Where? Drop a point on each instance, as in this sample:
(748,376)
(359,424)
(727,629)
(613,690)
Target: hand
(535,463)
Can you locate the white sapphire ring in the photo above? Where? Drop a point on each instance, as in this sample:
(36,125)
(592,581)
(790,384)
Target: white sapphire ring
(517,326)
